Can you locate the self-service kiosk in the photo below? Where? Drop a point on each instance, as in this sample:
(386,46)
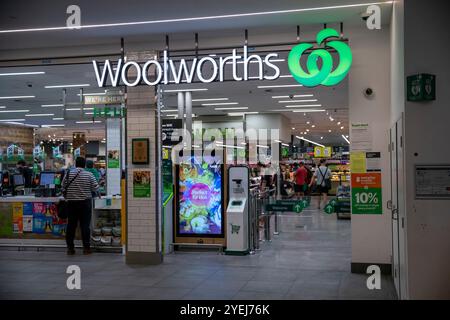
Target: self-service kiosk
(237,211)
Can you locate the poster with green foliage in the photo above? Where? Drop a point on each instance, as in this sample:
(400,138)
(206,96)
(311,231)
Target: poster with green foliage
(141,184)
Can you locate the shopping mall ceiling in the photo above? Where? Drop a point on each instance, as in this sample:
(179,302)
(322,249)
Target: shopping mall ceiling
(162,17)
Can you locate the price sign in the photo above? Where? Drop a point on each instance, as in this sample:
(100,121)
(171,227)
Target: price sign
(366,193)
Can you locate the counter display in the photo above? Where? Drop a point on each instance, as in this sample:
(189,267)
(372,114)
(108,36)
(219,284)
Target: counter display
(29,217)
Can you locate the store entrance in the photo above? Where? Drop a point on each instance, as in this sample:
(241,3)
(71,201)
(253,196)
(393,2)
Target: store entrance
(286,134)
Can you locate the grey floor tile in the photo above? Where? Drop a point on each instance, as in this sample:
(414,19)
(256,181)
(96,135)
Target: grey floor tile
(252,295)
(187,282)
(267,286)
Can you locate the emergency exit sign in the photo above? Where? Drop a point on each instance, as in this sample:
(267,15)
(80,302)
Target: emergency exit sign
(421,87)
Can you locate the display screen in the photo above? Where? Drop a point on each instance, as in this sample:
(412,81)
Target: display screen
(199,190)
(18,180)
(47,178)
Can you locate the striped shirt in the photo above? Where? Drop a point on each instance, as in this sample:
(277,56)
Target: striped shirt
(82,187)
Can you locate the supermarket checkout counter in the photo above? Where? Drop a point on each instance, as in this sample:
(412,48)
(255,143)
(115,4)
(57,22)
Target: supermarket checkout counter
(30,221)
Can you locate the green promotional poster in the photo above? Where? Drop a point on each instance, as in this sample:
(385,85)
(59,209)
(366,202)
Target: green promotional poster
(141,184)
(366,193)
(113,159)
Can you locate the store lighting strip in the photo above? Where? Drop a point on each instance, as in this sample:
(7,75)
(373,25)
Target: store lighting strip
(14,111)
(211,99)
(11,120)
(185,90)
(220,104)
(317,144)
(51,105)
(237,114)
(231,108)
(281,86)
(303,105)
(93,94)
(23,124)
(345,138)
(39,115)
(2,107)
(293,101)
(18,97)
(294,96)
(58,119)
(85,122)
(52,125)
(309,110)
(169,110)
(202,18)
(21,73)
(68,86)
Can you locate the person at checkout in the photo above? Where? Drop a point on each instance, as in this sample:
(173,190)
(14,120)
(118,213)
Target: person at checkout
(26,172)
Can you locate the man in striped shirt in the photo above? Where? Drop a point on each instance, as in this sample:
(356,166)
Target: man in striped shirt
(78,186)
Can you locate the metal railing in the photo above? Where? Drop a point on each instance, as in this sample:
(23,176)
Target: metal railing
(258,200)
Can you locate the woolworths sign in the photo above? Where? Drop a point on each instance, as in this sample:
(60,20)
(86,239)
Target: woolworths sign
(168,71)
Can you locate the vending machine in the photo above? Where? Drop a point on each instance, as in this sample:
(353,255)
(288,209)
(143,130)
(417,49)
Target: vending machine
(237,211)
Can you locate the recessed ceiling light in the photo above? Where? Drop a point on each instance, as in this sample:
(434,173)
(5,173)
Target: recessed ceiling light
(329,130)
(307,122)
(210,99)
(52,125)
(6,120)
(185,90)
(14,111)
(339,123)
(231,108)
(68,86)
(281,86)
(313,126)
(21,73)
(2,107)
(303,106)
(236,114)
(169,110)
(51,105)
(18,97)
(39,114)
(82,122)
(58,119)
(342,127)
(309,110)
(220,104)
(293,128)
(295,101)
(294,96)
(321,138)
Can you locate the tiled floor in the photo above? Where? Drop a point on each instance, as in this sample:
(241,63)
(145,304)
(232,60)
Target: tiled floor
(309,259)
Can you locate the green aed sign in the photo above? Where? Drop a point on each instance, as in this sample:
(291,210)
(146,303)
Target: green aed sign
(421,87)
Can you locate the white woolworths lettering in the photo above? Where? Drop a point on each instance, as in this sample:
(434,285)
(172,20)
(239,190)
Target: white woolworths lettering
(184,71)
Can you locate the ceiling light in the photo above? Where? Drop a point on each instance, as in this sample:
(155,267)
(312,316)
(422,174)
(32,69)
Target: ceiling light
(285,144)
(39,114)
(58,119)
(261,146)
(286,75)
(338,123)
(342,127)
(2,107)
(281,86)
(210,99)
(317,144)
(231,108)
(169,110)
(93,94)
(313,126)
(307,130)
(346,139)
(52,125)
(201,18)
(303,105)
(6,120)
(21,73)
(309,110)
(236,114)
(18,97)
(68,86)
(331,119)
(288,101)
(293,128)
(51,105)
(307,122)
(185,90)
(220,104)
(329,130)
(294,96)
(321,138)
(22,124)
(279,141)
(73,109)
(14,111)
(89,121)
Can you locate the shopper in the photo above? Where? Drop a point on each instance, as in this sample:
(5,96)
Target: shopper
(323,183)
(90,168)
(300,180)
(25,172)
(78,186)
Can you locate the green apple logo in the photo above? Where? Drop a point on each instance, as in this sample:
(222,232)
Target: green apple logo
(324,76)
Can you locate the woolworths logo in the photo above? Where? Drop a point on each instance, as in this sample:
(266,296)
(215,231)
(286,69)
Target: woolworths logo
(235,65)
(325,75)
